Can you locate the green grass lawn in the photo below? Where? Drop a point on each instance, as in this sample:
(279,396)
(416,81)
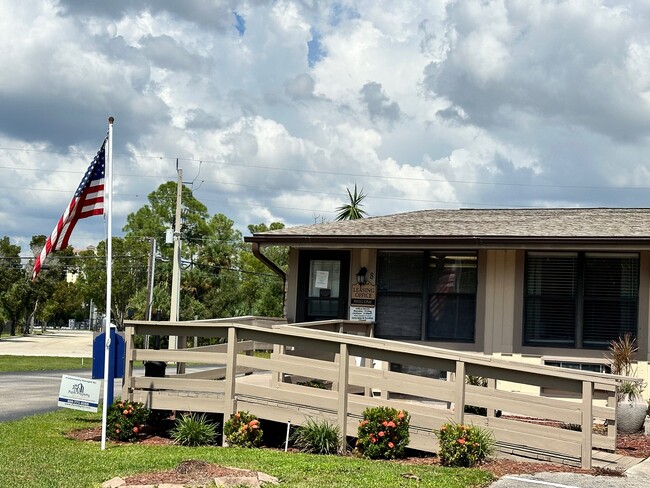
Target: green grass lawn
(12,364)
(38,454)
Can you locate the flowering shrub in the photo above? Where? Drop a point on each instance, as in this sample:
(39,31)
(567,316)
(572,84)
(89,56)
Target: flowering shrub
(383,433)
(243,429)
(463,445)
(125,420)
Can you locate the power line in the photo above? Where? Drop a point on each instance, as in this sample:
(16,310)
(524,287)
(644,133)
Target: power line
(318,172)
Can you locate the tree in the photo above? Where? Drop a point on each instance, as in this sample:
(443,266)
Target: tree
(153,219)
(264,288)
(352,210)
(10,272)
(129,274)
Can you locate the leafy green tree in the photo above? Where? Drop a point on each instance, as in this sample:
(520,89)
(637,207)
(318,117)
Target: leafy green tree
(10,272)
(352,210)
(36,293)
(153,219)
(263,288)
(65,303)
(129,275)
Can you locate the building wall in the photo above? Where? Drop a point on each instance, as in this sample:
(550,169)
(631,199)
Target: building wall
(499,318)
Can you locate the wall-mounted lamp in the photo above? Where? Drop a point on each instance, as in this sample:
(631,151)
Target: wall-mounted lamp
(361,276)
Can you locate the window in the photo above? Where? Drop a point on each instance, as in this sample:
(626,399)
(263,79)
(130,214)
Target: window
(580,300)
(426,295)
(594,367)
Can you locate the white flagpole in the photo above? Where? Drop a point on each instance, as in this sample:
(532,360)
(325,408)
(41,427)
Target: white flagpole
(108,204)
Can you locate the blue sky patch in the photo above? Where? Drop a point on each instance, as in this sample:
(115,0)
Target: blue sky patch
(315,50)
(240,23)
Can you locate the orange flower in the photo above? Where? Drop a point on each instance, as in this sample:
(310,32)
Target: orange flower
(384,423)
(373,439)
(381,433)
(461,440)
(125,412)
(391,445)
(391,424)
(135,429)
(400,415)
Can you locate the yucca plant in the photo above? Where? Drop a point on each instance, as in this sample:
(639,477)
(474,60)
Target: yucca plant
(317,437)
(621,356)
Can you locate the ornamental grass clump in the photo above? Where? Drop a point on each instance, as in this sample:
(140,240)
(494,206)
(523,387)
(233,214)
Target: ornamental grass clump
(383,433)
(317,437)
(243,430)
(125,420)
(192,430)
(463,446)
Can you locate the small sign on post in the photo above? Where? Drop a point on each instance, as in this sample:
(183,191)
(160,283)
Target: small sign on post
(79,393)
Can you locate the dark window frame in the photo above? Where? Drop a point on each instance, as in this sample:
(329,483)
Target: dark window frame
(547,320)
(420,289)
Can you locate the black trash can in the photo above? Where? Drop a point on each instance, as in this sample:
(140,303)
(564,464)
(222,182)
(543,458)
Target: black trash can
(155,369)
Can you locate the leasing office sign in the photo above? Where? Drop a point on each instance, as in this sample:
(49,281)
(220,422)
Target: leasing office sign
(79,393)
(362,302)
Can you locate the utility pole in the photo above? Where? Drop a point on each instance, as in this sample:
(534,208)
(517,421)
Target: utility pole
(151,269)
(174,342)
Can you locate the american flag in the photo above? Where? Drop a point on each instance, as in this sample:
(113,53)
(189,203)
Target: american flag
(88,200)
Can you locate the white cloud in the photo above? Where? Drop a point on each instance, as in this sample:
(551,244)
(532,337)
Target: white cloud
(422,104)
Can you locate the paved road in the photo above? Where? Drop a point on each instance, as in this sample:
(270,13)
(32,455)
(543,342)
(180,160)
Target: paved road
(29,393)
(67,343)
(570,480)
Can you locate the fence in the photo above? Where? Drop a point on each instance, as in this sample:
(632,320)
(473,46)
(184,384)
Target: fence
(361,371)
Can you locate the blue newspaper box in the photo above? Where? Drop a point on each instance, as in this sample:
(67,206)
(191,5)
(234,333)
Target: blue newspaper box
(115,362)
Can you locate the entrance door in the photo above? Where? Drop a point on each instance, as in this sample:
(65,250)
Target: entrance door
(323,282)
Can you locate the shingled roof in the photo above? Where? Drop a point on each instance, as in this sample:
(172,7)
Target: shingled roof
(481,226)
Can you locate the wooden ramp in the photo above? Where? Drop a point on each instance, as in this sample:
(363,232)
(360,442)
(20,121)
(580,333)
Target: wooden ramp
(358,373)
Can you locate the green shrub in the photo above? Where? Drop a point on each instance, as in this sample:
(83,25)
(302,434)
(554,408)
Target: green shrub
(320,384)
(125,420)
(193,430)
(463,445)
(243,429)
(383,433)
(317,437)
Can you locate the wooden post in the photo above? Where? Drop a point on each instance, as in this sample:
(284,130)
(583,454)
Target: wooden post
(385,394)
(342,407)
(611,424)
(587,422)
(127,382)
(276,376)
(231,371)
(491,384)
(459,404)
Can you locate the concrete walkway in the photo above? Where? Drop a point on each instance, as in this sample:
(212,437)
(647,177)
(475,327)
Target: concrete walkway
(60,342)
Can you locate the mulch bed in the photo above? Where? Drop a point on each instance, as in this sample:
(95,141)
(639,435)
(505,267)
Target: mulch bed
(200,472)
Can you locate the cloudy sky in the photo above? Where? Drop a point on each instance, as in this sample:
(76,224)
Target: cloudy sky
(273,108)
